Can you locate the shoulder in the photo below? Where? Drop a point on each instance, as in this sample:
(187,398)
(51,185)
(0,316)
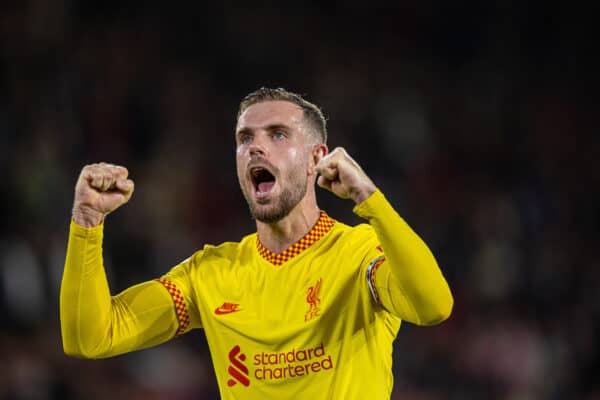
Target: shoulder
(354,246)
(356,232)
(361,236)
(226,252)
(209,262)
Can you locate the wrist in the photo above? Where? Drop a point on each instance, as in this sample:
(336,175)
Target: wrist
(87,217)
(364,193)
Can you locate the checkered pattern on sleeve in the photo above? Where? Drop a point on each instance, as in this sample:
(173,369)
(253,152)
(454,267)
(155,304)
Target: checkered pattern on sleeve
(323,225)
(183,317)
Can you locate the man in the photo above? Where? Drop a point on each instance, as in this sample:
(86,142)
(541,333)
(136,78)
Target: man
(305,308)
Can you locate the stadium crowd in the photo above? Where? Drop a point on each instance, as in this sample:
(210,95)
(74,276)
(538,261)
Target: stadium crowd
(477,121)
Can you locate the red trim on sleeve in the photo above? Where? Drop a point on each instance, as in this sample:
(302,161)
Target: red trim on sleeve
(183,317)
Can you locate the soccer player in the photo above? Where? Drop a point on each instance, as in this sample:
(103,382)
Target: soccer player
(305,308)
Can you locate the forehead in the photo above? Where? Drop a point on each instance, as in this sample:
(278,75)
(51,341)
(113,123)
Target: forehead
(268,113)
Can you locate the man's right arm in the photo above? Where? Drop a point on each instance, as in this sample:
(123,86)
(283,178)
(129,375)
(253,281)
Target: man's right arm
(95,324)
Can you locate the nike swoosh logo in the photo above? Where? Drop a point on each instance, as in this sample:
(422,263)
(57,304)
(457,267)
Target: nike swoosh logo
(227,308)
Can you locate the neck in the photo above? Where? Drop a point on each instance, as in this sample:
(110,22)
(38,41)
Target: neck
(280,235)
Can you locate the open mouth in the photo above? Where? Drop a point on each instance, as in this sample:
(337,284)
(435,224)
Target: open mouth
(262,179)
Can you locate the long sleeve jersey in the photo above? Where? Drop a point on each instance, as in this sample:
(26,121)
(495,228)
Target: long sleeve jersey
(316,321)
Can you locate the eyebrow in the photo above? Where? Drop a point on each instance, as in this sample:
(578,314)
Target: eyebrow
(271,128)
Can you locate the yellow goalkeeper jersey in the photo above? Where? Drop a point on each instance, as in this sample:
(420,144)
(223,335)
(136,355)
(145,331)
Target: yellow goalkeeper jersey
(317,321)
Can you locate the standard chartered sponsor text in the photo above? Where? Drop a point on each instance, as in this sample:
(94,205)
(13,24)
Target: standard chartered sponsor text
(291,364)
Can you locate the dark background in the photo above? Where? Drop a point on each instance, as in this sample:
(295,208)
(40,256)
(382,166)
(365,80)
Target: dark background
(478,121)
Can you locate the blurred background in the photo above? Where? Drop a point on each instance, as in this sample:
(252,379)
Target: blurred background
(478,120)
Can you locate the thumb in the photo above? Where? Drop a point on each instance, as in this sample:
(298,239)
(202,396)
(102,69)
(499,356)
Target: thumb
(324,183)
(327,169)
(124,185)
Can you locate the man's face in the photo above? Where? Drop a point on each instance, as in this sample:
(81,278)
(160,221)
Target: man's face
(273,151)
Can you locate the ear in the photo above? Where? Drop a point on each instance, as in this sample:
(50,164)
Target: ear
(318,152)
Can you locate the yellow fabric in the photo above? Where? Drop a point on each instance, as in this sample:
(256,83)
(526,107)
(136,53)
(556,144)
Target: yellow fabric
(307,329)
(96,325)
(409,283)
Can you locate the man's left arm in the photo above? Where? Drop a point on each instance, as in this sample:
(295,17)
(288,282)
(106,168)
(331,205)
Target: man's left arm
(408,281)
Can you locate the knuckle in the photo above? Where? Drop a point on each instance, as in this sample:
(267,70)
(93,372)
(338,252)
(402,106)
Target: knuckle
(338,153)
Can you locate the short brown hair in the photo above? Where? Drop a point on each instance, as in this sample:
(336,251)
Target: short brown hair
(312,114)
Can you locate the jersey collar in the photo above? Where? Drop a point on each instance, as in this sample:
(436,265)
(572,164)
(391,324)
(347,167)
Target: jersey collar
(323,225)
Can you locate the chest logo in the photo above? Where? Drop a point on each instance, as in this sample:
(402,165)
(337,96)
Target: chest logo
(227,308)
(313,298)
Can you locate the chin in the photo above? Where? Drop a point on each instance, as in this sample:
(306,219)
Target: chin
(270,216)
(271,209)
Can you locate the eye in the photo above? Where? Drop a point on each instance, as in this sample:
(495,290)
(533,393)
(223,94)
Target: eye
(279,135)
(245,139)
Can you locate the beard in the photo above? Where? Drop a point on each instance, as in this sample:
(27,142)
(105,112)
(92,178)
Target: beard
(278,208)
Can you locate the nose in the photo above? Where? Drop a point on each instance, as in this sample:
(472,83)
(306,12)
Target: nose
(257,148)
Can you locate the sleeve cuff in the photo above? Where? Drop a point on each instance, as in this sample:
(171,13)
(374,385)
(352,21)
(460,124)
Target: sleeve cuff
(368,208)
(95,232)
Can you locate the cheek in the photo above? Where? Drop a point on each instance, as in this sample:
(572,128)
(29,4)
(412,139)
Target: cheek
(298,161)
(239,163)
(239,153)
(292,153)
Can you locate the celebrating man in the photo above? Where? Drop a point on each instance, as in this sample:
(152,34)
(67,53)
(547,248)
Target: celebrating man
(305,308)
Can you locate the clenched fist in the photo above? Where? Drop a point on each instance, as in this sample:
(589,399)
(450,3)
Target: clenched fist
(100,189)
(343,176)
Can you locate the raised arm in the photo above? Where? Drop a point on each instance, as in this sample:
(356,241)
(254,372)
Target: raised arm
(95,324)
(408,281)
